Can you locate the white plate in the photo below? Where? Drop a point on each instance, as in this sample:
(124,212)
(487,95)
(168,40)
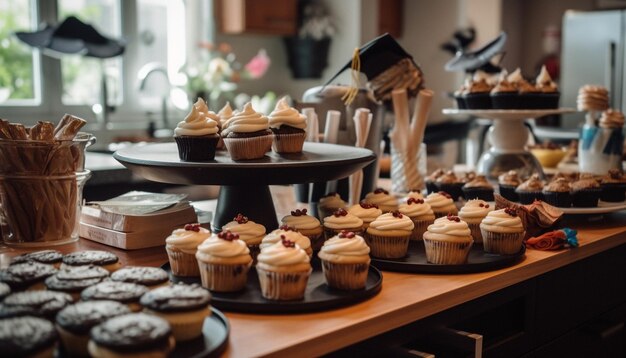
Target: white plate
(603,208)
(510,114)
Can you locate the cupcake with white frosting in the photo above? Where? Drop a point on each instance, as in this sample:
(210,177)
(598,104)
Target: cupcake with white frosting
(197,135)
(181,247)
(246,134)
(441,203)
(342,220)
(345,261)
(224,261)
(448,241)
(284,270)
(382,199)
(288,126)
(473,213)
(420,213)
(388,236)
(250,232)
(287,233)
(366,212)
(307,225)
(503,232)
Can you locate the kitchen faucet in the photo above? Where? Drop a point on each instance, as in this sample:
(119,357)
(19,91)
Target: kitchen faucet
(142,76)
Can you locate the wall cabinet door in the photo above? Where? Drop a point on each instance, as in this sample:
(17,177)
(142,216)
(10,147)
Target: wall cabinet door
(274,17)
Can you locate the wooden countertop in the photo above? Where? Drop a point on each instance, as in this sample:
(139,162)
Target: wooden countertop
(404,298)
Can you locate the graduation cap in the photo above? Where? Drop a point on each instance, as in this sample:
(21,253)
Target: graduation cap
(73,36)
(387,67)
(479,59)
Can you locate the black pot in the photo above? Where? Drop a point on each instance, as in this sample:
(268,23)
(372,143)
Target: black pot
(307,57)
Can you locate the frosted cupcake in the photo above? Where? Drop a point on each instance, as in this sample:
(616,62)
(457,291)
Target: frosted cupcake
(288,126)
(196,136)
(250,232)
(224,115)
(328,204)
(366,212)
(345,261)
(420,213)
(503,232)
(473,213)
(382,199)
(284,270)
(181,247)
(287,233)
(448,241)
(388,236)
(247,135)
(342,220)
(307,225)
(441,203)
(224,261)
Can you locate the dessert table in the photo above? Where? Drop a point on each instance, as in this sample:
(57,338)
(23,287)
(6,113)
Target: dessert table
(405,298)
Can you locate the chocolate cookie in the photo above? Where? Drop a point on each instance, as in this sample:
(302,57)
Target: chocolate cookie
(5,290)
(90,257)
(124,292)
(34,303)
(76,278)
(79,318)
(132,333)
(148,276)
(50,257)
(26,336)
(176,298)
(21,276)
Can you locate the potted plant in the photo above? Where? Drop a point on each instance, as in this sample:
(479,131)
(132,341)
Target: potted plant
(307,52)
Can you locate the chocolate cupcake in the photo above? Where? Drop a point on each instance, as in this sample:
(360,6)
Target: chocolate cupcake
(613,187)
(288,126)
(479,188)
(247,135)
(132,334)
(507,183)
(557,193)
(74,322)
(527,93)
(44,304)
(504,95)
(431,181)
(449,183)
(151,277)
(549,96)
(197,136)
(72,280)
(5,290)
(106,259)
(184,306)
(27,337)
(530,190)
(585,191)
(124,292)
(50,257)
(26,275)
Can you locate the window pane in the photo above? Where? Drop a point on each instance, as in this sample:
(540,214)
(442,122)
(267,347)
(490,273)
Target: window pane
(17,78)
(82,75)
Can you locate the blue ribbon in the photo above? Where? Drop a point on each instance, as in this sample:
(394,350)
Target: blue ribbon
(587,135)
(570,237)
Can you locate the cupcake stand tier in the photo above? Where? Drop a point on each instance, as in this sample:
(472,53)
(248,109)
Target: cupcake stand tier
(507,137)
(244,184)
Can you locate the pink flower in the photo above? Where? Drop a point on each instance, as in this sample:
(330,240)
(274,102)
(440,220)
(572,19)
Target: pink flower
(258,64)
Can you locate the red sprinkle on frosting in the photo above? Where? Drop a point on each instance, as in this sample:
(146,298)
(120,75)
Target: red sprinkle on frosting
(240,219)
(396,214)
(299,212)
(287,228)
(365,205)
(512,212)
(453,218)
(192,227)
(287,243)
(381,190)
(410,201)
(340,212)
(445,194)
(486,206)
(346,234)
(228,236)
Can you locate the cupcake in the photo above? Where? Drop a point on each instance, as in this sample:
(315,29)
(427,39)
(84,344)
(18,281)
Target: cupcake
(504,95)
(196,136)
(27,337)
(224,261)
(479,188)
(123,292)
(26,275)
(507,183)
(448,241)
(557,193)
(287,233)
(224,115)
(137,334)
(530,190)
(431,181)
(307,225)
(106,259)
(503,232)
(549,97)
(151,277)
(381,198)
(249,232)
(72,280)
(284,270)
(50,257)
(341,220)
(585,191)
(45,304)
(473,212)
(288,126)
(613,187)
(420,213)
(328,204)
(246,134)
(477,94)
(366,212)
(388,236)
(451,184)
(527,93)
(345,261)
(74,322)
(181,247)
(184,306)
(441,203)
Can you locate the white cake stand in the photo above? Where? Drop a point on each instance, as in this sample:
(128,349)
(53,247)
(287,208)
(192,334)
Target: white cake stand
(507,136)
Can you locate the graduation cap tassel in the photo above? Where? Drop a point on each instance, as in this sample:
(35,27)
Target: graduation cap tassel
(352,92)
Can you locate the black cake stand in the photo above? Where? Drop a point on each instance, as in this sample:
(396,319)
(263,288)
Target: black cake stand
(244,184)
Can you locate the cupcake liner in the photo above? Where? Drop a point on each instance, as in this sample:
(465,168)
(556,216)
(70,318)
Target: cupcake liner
(345,276)
(508,192)
(182,330)
(182,264)
(476,233)
(288,143)
(388,247)
(196,149)
(547,100)
(431,187)
(328,232)
(224,278)
(527,197)
(502,243)
(478,100)
(613,192)
(460,102)
(505,100)
(446,253)
(586,198)
(75,345)
(560,199)
(485,194)
(283,286)
(419,228)
(248,148)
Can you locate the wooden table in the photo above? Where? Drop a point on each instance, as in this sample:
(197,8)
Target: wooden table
(404,298)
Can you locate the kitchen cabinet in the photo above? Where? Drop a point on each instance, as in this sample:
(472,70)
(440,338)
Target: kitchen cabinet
(272,17)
